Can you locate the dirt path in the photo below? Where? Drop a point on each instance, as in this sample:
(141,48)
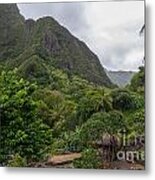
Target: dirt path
(63,159)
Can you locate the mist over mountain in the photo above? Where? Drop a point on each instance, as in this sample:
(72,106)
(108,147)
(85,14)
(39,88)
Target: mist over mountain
(120,78)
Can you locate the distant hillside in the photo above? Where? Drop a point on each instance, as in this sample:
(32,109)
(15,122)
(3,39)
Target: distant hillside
(34,45)
(120,78)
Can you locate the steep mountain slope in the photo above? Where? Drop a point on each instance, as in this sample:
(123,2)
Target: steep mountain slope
(120,78)
(51,44)
(11,31)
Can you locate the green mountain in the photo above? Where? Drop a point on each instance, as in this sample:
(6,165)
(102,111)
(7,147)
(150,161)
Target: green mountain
(120,78)
(11,31)
(36,46)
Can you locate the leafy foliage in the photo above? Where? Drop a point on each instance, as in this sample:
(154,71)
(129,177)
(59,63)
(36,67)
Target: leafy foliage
(94,101)
(125,100)
(136,122)
(22,132)
(17,161)
(138,81)
(101,123)
(89,160)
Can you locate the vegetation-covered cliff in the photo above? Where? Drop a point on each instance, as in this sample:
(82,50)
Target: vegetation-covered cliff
(23,41)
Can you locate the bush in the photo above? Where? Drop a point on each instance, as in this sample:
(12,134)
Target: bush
(17,161)
(138,81)
(94,101)
(123,100)
(90,160)
(99,124)
(136,122)
(22,132)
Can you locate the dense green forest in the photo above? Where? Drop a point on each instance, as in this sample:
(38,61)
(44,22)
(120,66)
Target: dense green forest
(49,105)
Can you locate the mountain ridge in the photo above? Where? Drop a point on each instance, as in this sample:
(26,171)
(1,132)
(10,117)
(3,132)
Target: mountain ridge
(50,41)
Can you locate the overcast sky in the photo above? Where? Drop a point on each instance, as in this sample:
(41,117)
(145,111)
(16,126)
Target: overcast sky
(110,29)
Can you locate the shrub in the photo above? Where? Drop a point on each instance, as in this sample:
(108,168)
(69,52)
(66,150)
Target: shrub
(22,132)
(17,161)
(90,160)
